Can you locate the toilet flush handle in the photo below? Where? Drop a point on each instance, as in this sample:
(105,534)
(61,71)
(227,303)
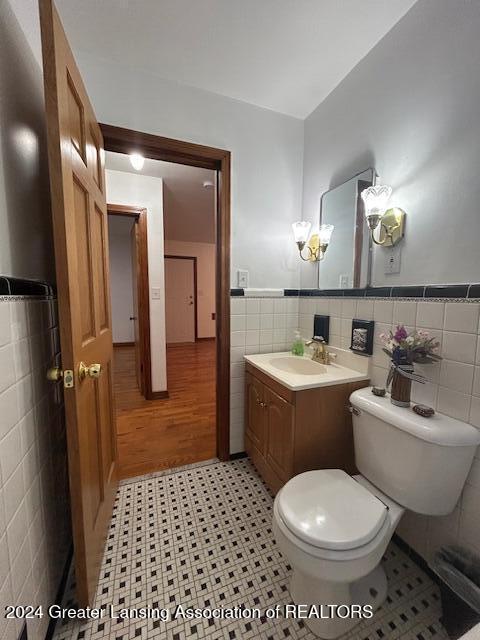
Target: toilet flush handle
(353,410)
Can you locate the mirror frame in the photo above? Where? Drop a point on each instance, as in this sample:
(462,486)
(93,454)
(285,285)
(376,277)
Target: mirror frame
(358,224)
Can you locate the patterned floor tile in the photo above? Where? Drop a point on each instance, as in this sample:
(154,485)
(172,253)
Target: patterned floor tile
(201,536)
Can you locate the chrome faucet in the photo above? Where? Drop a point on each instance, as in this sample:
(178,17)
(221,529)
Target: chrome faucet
(320,352)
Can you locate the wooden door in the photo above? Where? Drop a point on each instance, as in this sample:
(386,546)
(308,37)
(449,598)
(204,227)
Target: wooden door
(136,310)
(280,433)
(76,164)
(180,299)
(255,407)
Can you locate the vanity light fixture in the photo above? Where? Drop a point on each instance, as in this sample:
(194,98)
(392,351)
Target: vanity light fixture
(317,243)
(391,221)
(137,161)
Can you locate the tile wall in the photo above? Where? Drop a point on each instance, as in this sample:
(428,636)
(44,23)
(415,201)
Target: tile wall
(258,325)
(453,388)
(34,509)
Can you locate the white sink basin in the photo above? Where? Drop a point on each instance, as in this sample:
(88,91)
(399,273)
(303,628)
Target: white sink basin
(300,366)
(301,372)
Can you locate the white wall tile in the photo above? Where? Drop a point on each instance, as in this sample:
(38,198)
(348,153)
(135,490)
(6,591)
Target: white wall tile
(5,324)
(430,314)
(453,404)
(457,376)
(364,310)
(461,317)
(7,367)
(238,306)
(253,321)
(404,313)
(383,311)
(459,346)
(349,308)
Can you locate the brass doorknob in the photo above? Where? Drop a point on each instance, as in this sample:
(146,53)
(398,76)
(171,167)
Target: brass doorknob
(54,374)
(92,370)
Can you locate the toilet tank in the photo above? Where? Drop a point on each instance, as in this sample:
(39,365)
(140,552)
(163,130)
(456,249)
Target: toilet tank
(422,463)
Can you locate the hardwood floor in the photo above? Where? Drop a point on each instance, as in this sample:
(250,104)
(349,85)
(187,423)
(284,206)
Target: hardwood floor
(159,434)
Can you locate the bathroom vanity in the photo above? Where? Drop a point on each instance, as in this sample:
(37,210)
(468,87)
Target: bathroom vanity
(296,414)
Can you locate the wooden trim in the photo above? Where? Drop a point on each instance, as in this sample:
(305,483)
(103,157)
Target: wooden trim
(158,395)
(126,141)
(359,233)
(195,287)
(119,345)
(205,339)
(143,287)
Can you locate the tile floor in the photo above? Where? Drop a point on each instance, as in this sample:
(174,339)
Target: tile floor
(202,536)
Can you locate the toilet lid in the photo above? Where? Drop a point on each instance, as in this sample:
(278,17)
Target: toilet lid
(330,510)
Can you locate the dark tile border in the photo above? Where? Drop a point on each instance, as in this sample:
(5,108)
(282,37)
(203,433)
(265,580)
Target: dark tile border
(457,291)
(22,287)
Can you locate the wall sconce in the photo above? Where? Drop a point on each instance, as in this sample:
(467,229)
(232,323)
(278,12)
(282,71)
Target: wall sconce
(391,221)
(317,243)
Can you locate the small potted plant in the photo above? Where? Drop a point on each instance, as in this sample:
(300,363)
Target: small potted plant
(405,349)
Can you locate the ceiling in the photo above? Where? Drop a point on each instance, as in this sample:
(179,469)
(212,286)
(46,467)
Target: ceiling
(285,55)
(188,207)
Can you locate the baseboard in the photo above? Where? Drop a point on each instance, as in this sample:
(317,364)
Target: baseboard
(123,344)
(158,395)
(60,593)
(239,455)
(205,339)
(416,557)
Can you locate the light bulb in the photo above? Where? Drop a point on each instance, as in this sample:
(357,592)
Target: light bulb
(137,161)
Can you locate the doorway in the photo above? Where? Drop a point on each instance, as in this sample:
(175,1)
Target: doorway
(183,421)
(181,299)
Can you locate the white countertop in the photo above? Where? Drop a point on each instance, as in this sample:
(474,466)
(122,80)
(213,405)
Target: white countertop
(301,372)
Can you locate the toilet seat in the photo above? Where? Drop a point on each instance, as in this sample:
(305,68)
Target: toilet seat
(329,510)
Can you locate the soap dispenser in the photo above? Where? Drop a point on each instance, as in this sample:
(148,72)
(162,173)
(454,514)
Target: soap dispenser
(298,348)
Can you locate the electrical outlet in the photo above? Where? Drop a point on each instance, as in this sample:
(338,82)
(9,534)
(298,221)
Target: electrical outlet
(242,278)
(392,260)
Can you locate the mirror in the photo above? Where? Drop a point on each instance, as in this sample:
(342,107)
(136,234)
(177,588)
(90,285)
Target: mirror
(347,261)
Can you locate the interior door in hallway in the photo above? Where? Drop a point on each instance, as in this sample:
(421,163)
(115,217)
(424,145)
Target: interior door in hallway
(136,312)
(77,181)
(180,299)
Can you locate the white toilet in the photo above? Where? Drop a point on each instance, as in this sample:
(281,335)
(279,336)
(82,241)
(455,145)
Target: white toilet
(334,528)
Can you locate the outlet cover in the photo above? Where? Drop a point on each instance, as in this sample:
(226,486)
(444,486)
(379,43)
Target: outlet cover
(393,260)
(242,278)
(156,293)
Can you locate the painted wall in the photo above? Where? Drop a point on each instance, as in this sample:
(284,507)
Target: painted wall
(267,156)
(410,109)
(205,254)
(25,222)
(145,191)
(121,284)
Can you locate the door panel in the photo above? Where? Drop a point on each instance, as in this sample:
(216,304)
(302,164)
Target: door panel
(75,147)
(136,308)
(255,412)
(279,434)
(180,300)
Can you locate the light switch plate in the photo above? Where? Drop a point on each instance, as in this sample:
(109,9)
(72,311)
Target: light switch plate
(156,293)
(242,278)
(344,281)
(393,260)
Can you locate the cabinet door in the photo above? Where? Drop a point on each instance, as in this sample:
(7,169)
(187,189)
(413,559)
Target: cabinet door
(255,412)
(279,419)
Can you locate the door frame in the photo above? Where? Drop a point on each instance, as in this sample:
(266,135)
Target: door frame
(143,290)
(156,147)
(195,303)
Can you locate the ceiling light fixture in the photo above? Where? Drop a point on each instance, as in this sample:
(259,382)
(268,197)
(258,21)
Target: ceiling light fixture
(137,161)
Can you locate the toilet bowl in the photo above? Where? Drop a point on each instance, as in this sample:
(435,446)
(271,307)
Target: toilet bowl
(334,549)
(334,528)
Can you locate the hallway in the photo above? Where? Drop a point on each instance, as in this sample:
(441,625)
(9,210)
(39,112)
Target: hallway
(159,434)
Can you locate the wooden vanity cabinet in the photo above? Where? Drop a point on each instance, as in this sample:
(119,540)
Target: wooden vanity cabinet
(288,432)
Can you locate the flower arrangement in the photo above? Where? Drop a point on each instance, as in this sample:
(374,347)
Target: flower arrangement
(404,347)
